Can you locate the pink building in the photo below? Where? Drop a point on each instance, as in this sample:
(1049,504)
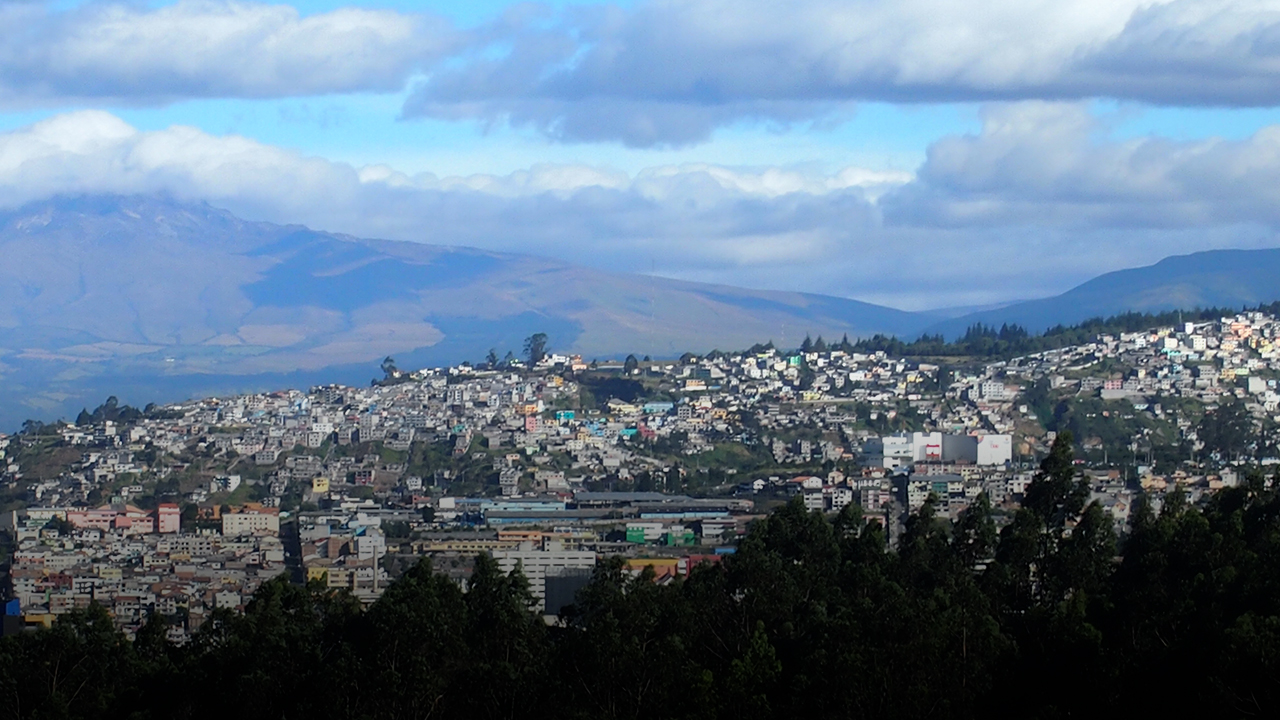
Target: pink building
(168,518)
(124,518)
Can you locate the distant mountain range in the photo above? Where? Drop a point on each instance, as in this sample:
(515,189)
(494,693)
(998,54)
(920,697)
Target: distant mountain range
(156,300)
(1211,279)
(153,300)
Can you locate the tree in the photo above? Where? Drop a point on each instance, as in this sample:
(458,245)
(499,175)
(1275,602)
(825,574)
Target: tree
(974,537)
(396,529)
(1087,554)
(535,347)
(492,358)
(416,632)
(631,364)
(1056,495)
(1228,431)
(60,525)
(674,480)
(188,517)
(77,669)
(109,408)
(811,617)
(506,642)
(389,369)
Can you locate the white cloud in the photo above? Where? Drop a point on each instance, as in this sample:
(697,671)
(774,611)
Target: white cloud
(1049,164)
(671,71)
(664,72)
(125,52)
(1031,205)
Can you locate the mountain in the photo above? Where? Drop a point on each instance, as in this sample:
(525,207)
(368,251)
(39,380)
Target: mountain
(156,300)
(1216,278)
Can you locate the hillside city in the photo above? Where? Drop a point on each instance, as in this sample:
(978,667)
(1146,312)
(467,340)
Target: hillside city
(549,465)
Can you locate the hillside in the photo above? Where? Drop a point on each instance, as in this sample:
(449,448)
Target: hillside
(152,299)
(1217,278)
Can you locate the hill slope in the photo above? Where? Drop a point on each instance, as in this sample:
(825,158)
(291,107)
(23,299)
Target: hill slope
(1217,278)
(160,300)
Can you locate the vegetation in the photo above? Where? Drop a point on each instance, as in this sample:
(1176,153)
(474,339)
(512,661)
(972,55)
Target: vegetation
(1228,430)
(391,374)
(813,617)
(535,347)
(112,411)
(1011,340)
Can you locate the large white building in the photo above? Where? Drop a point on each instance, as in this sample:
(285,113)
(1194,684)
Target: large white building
(538,564)
(994,449)
(251,521)
(921,447)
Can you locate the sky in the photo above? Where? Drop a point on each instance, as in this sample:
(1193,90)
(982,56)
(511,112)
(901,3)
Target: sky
(915,153)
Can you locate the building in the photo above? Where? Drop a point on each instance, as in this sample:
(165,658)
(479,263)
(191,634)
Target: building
(124,518)
(994,449)
(168,518)
(538,565)
(896,450)
(251,520)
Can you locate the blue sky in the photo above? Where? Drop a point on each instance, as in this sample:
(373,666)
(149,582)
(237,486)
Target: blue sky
(917,153)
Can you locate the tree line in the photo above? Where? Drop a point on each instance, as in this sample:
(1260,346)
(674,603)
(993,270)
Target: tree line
(1006,341)
(1012,340)
(1050,616)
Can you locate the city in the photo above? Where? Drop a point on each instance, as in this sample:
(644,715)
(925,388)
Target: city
(639,359)
(550,466)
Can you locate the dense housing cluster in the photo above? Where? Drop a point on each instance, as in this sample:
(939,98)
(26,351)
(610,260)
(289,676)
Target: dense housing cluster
(186,508)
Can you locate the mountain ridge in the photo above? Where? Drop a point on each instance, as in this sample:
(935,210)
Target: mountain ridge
(98,287)
(1201,280)
(154,299)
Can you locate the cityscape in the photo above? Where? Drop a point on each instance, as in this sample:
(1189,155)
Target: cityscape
(639,359)
(551,463)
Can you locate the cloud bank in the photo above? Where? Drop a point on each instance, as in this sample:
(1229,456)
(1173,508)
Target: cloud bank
(1032,204)
(669,72)
(660,73)
(128,53)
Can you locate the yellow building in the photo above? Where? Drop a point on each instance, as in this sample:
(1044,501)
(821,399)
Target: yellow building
(320,485)
(44,619)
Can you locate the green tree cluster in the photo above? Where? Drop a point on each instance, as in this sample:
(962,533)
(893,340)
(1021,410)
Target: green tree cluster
(1011,340)
(111,410)
(1229,430)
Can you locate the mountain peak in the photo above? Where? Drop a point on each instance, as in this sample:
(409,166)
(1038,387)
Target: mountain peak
(133,211)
